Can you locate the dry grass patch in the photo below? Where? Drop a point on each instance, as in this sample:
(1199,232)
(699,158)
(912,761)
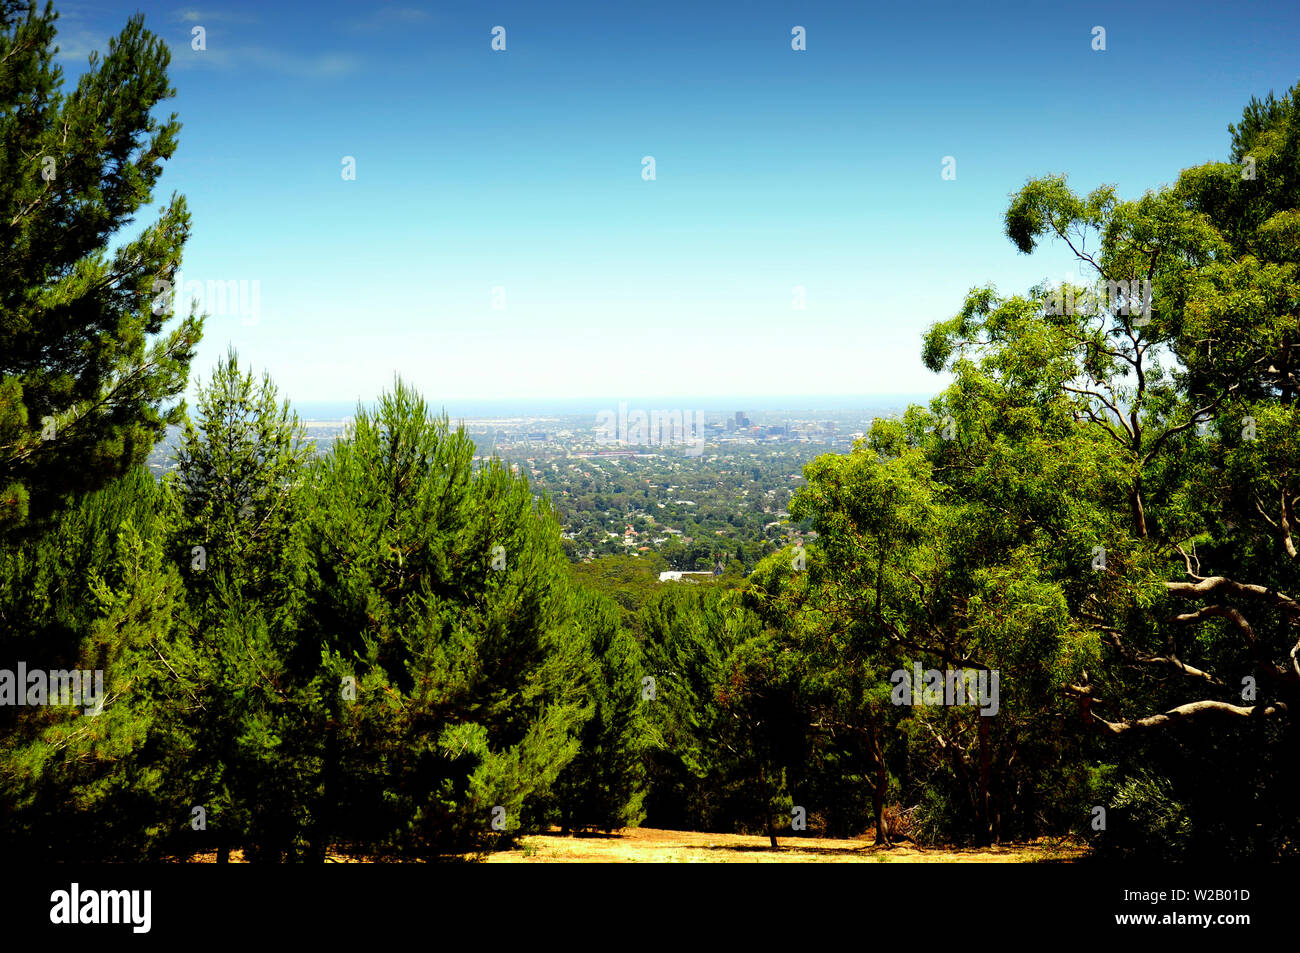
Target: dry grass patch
(647,845)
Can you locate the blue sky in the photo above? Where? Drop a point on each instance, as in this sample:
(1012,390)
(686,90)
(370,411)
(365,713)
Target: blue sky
(521,170)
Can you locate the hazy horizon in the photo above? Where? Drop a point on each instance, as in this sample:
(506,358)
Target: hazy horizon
(576,406)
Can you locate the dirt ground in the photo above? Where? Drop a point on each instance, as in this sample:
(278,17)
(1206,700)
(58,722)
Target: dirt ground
(648,845)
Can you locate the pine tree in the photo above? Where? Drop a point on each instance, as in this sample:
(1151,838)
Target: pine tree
(84,366)
(443,611)
(240,469)
(97,592)
(723,716)
(239,479)
(605,784)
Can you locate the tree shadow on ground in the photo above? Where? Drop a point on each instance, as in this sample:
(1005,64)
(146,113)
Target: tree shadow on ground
(581,835)
(794,847)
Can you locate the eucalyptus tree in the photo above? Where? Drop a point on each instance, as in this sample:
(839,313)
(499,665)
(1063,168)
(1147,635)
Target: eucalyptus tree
(1170,390)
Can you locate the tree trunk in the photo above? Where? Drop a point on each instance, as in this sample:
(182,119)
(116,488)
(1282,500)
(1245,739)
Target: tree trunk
(879,789)
(878,805)
(767,807)
(982,797)
(1139,514)
(324,822)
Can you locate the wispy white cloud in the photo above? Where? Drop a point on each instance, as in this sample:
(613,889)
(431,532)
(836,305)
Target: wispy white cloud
(201,17)
(76,11)
(404,14)
(76,41)
(77,45)
(386,18)
(287,62)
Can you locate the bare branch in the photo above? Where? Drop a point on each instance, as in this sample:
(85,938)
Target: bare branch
(1188,712)
(1171,660)
(1214,584)
(1187,560)
(1286,521)
(1192,421)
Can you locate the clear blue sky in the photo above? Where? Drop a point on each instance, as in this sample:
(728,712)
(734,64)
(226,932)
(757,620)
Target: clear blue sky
(522,170)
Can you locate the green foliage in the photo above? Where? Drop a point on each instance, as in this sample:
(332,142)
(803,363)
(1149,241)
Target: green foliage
(1146,820)
(242,544)
(631,581)
(1174,429)
(240,471)
(724,713)
(604,786)
(97,593)
(469,679)
(82,387)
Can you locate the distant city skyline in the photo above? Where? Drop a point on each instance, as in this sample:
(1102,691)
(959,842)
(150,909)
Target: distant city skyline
(377,191)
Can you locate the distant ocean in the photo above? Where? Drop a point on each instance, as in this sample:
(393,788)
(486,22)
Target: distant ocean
(583,406)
